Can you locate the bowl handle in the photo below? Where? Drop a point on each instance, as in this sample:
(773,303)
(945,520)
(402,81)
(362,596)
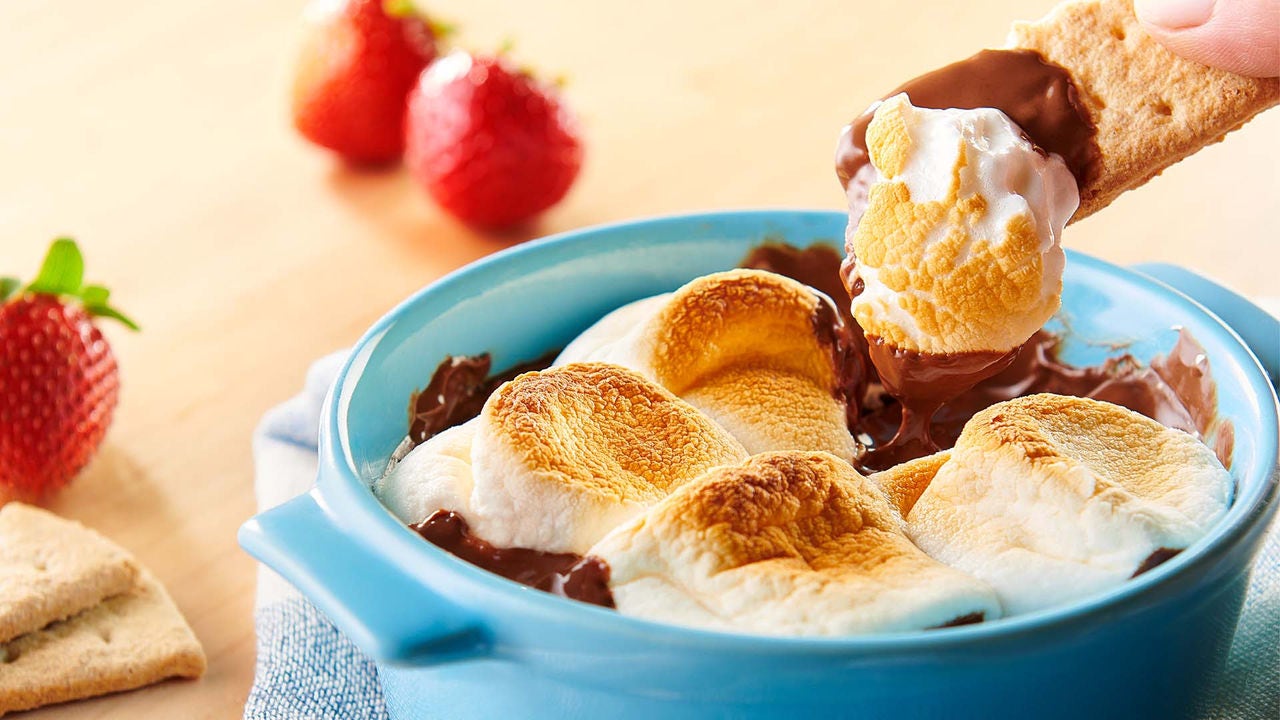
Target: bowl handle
(401,622)
(1258,328)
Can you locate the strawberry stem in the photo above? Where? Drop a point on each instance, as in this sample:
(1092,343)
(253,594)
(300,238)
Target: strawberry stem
(7,287)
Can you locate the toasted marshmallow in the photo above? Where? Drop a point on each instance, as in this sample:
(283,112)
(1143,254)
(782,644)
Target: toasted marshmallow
(904,483)
(958,249)
(751,349)
(787,543)
(563,456)
(436,475)
(559,458)
(1050,498)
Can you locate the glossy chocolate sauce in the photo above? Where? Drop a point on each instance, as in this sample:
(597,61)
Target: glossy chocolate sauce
(565,574)
(970,619)
(1156,559)
(457,391)
(1036,94)
(922,383)
(1175,390)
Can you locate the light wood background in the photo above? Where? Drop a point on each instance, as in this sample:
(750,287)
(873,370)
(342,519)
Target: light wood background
(157,134)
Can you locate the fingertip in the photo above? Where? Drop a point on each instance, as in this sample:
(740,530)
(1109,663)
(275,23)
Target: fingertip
(1239,36)
(1173,14)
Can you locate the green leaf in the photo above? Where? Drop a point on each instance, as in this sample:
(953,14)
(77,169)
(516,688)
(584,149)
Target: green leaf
(7,287)
(94,295)
(441,29)
(110,312)
(63,270)
(399,8)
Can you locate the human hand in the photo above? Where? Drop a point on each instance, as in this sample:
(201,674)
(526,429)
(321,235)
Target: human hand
(1241,36)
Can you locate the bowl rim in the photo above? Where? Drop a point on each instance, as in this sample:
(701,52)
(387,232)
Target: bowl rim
(378,529)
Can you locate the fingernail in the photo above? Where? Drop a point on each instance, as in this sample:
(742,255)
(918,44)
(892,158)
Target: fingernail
(1174,14)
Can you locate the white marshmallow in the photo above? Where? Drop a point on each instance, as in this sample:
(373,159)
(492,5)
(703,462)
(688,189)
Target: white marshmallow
(436,475)
(787,543)
(1051,498)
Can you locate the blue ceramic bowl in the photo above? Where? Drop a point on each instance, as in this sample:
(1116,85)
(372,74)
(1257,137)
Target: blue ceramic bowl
(453,641)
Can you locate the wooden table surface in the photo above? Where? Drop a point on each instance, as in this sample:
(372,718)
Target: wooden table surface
(157,134)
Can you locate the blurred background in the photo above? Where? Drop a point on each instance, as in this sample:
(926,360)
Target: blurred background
(158,135)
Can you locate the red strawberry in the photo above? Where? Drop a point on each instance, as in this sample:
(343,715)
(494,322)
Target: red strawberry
(58,377)
(359,60)
(491,144)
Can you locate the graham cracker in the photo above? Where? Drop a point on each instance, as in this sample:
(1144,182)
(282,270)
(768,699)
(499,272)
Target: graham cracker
(52,568)
(1151,107)
(125,642)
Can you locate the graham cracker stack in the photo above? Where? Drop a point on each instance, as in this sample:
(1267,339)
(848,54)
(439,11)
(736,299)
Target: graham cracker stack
(114,627)
(1151,107)
(51,569)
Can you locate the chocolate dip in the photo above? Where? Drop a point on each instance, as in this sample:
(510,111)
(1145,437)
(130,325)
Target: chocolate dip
(564,574)
(1175,390)
(457,391)
(1036,94)
(922,383)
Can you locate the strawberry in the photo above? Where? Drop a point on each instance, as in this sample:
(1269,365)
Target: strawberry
(359,60)
(490,143)
(58,377)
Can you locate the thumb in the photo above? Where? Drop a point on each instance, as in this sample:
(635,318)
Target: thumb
(1240,36)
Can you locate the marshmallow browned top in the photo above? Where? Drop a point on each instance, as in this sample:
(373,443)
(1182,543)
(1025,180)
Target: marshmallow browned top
(747,347)
(1050,498)
(788,543)
(558,458)
(958,249)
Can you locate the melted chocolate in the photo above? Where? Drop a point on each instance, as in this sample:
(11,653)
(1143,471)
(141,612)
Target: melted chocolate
(1175,390)
(564,574)
(457,392)
(1155,559)
(922,383)
(1036,94)
(970,619)
(1163,392)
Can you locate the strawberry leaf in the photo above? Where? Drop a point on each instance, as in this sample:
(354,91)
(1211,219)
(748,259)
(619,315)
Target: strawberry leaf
(400,8)
(7,287)
(94,295)
(104,310)
(62,272)
(441,29)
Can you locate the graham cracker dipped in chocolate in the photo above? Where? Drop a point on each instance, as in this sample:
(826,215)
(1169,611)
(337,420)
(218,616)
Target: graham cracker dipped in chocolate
(1088,83)
(1151,107)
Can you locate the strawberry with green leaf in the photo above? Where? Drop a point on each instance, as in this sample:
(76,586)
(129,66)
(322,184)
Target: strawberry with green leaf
(58,377)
